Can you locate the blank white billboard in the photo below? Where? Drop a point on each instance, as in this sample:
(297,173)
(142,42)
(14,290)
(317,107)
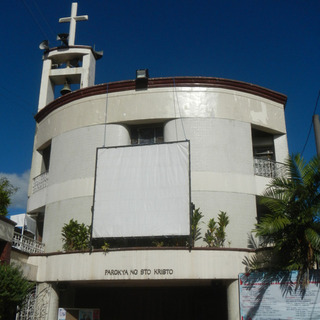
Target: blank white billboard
(142,191)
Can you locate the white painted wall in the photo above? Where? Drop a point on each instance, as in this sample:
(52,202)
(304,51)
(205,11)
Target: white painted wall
(217,145)
(222,176)
(61,212)
(71,176)
(241,210)
(216,121)
(181,265)
(281,147)
(162,105)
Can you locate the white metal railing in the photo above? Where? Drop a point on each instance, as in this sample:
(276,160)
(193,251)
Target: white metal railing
(35,305)
(40,182)
(26,244)
(268,168)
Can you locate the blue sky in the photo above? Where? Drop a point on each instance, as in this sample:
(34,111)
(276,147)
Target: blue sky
(274,44)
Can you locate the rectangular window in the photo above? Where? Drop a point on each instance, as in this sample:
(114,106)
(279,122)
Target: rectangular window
(46,158)
(263,146)
(147,134)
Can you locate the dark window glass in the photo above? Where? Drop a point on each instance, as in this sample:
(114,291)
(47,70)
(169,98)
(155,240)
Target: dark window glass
(263,146)
(46,158)
(146,134)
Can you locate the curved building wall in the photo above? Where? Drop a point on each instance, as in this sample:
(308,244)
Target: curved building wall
(221,171)
(217,121)
(71,176)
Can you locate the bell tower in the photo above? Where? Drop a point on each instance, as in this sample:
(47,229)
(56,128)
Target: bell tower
(67,64)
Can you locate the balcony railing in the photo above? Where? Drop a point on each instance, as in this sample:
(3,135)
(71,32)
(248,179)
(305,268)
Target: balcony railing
(26,244)
(268,168)
(40,182)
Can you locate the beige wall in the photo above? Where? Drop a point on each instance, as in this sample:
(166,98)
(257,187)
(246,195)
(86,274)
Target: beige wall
(163,103)
(217,122)
(140,265)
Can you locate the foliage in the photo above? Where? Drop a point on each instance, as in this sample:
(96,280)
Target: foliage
(158,244)
(195,229)
(75,236)
(253,242)
(14,290)
(216,232)
(6,191)
(105,247)
(292,228)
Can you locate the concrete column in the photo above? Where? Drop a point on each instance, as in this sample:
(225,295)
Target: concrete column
(46,88)
(233,300)
(53,303)
(316,126)
(281,147)
(88,70)
(116,135)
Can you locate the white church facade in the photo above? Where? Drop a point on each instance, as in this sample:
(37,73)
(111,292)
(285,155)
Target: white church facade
(131,159)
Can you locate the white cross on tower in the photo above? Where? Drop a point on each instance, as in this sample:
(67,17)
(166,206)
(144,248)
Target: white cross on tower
(73,20)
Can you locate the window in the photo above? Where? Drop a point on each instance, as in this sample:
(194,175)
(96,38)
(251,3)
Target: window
(40,223)
(263,146)
(146,134)
(45,158)
(264,156)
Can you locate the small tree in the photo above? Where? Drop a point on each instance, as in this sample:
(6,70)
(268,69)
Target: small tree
(75,236)
(195,229)
(6,191)
(216,232)
(14,288)
(292,228)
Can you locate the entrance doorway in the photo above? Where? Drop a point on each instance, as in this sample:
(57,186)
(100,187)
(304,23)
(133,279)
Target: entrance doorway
(155,303)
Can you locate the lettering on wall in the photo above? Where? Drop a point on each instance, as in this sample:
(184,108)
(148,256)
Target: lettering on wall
(138,272)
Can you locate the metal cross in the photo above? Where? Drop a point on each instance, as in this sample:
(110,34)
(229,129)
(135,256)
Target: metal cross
(73,20)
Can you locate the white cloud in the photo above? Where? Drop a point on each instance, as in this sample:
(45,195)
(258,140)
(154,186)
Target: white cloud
(20,181)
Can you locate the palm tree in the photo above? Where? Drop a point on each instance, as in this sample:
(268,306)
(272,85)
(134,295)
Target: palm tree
(292,228)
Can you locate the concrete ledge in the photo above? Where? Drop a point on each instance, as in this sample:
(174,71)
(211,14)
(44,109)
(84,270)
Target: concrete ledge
(146,264)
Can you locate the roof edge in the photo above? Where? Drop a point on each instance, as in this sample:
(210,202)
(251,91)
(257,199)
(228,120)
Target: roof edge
(126,85)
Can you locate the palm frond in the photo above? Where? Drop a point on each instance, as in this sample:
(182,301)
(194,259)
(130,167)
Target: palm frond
(312,171)
(271,224)
(296,165)
(313,238)
(293,225)
(276,206)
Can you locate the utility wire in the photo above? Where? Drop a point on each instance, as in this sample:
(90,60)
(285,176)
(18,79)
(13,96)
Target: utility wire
(53,34)
(35,20)
(105,117)
(314,112)
(175,97)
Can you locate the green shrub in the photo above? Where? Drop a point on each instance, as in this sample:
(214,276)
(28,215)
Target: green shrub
(6,191)
(14,288)
(216,232)
(195,229)
(75,236)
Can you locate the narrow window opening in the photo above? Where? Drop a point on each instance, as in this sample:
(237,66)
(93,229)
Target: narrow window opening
(147,134)
(263,145)
(45,158)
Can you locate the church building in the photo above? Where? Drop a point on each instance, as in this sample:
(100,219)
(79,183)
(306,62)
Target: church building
(133,160)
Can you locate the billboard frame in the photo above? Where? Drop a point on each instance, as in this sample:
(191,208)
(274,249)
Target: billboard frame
(190,205)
